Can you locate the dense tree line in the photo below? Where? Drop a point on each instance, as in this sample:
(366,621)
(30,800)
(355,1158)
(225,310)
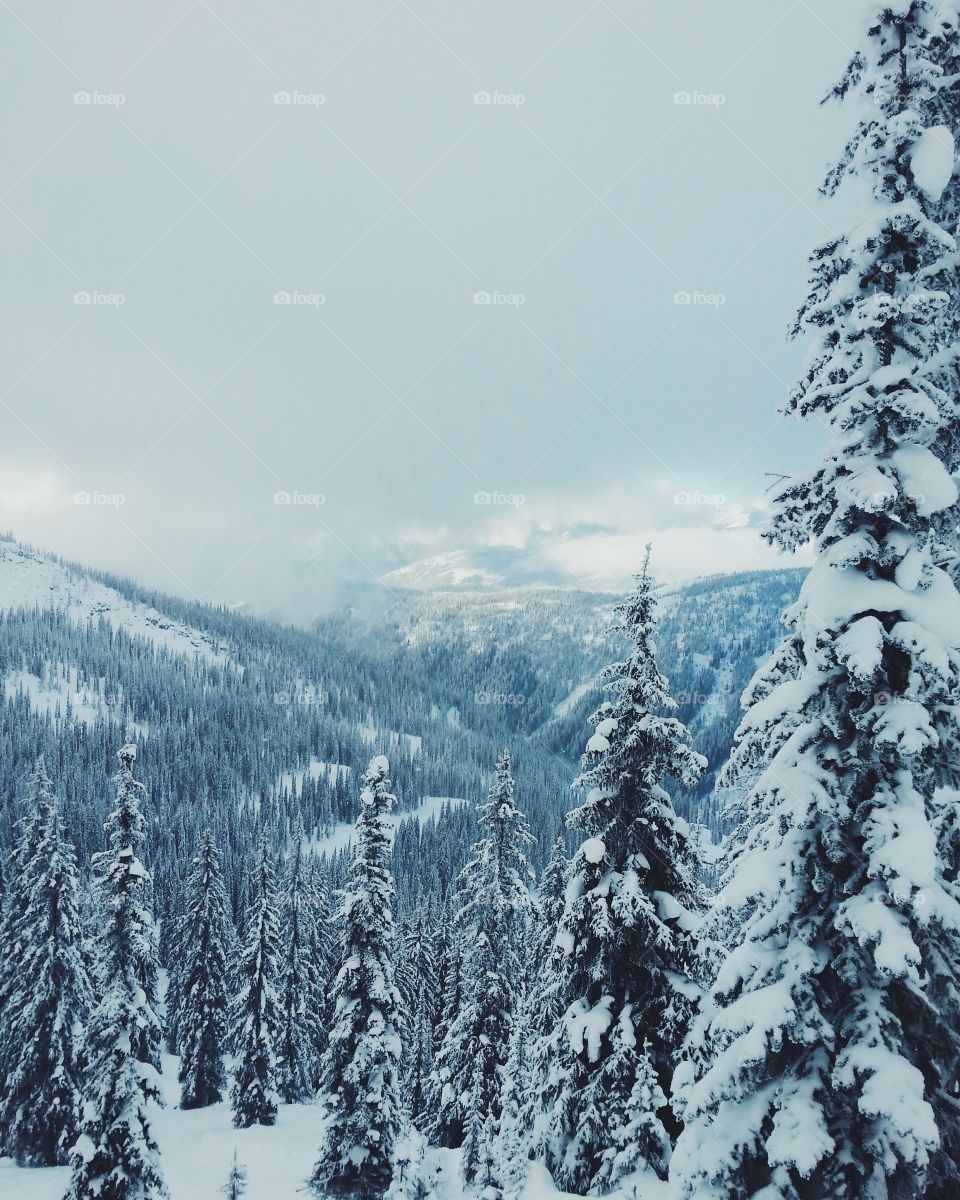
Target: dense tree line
(791,1034)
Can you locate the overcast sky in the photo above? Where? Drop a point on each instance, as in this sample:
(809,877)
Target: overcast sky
(171,173)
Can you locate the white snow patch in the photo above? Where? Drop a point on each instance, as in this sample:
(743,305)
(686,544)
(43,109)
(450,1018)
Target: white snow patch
(567,704)
(412,742)
(932,160)
(196,1150)
(60,689)
(292,781)
(593,850)
(340,836)
(28,580)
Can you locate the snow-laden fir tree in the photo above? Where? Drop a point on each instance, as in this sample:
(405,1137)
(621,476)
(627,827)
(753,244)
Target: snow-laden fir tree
(941,116)
(116,1156)
(419,985)
(514,1138)
(301,985)
(202,970)
(257,1017)
(361,1075)
(326,957)
(939,24)
(419,1059)
(450,956)
(825,1061)
(235,1187)
(49,999)
(522,1125)
(491,926)
(38,805)
(625,949)
(126,830)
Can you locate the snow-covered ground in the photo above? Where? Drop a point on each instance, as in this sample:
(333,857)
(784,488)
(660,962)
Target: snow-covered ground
(197,1149)
(411,742)
(292,781)
(340,836)
(29,580)
(568,703)
(60,690)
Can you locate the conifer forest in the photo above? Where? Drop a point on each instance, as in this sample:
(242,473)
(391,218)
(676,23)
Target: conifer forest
(541,782)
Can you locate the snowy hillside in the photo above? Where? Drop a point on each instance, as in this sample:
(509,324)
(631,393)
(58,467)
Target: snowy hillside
(29,579)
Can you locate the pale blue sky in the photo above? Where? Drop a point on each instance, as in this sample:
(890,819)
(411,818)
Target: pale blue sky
(583,189)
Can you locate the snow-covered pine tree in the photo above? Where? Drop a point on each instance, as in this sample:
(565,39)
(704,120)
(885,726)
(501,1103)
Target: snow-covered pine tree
(301,989)
(831,1044)
(39,802)
(551,897)
(522,1130)
(492,922)
(942,119)
(202,970)
(419,986)
(625,948)
(126,829)
(361,1085)
(257,1017)
(116,1156)
(940,111)
(326,957)
(49,998)
(451,957)
(515,1137)
(419,1059)
(235,1187)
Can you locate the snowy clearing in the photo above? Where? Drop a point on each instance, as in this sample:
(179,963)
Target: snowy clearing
(197,1148)
(340,836)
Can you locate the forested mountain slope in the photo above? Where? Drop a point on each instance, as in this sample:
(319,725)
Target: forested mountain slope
(244,722)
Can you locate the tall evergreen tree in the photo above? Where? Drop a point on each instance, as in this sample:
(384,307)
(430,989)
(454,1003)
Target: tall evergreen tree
(301,985)
(494,890)
(419,1059)
(326,957)
(257,1017)
(202,970)
(39,802)
(523,1129)
(116,1156)
(831,1049)
(624,949)
(361,1086)
(49,997)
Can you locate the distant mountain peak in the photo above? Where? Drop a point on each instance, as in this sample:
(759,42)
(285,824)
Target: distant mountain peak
(486,568)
